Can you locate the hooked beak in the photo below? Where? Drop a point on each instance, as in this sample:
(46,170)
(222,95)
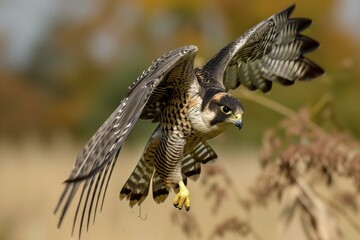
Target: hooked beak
(237,121)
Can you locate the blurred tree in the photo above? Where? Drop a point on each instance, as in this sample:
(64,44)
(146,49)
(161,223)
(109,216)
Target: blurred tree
(81,68)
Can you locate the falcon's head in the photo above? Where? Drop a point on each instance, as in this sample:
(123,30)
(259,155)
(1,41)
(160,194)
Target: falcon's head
(219,109)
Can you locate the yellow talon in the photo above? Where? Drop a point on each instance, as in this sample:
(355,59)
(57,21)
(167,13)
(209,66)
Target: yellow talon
(182,197)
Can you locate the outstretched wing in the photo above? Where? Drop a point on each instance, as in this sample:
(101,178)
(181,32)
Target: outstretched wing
(94,164)
(272,51)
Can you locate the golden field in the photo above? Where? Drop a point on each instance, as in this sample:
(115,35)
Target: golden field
(31,174)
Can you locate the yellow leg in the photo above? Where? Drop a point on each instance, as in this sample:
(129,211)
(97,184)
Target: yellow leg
(182,197)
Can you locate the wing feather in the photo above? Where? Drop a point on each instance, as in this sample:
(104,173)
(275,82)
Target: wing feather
(272,51)
(94,164)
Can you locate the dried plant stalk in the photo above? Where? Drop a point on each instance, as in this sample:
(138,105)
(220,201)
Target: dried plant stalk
(296,156)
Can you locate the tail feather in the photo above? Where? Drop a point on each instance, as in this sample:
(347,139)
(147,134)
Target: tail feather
(160,191)
(137,186)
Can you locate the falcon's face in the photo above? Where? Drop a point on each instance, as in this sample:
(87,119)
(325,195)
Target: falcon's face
(221,110)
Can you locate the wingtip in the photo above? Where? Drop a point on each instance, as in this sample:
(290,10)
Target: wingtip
(186,49)
(319,71)
(193,47)
(292,7)
(308,44)
(285,12)
(301,23)
(289,10)
(76,179)
(314,70)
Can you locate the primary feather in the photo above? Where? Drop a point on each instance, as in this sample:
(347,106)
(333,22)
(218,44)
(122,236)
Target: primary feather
(97,159)
(272,51)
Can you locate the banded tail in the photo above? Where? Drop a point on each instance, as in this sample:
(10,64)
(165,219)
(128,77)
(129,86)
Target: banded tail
(137,186)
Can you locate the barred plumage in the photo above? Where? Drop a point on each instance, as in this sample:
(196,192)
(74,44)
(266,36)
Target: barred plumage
(272,51)
(190,105)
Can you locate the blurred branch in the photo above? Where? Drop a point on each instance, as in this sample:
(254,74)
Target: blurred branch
(321,222)
(327,152)
(341,211)
(282,109)
(266,102)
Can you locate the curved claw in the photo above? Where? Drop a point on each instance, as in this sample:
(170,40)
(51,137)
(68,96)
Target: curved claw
(182,197)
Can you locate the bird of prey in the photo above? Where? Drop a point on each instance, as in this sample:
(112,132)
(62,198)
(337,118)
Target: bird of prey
(191,105)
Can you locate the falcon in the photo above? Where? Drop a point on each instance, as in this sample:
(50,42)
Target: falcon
(190,106)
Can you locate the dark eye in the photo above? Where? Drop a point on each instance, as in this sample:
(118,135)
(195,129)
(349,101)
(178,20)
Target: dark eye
(226,110)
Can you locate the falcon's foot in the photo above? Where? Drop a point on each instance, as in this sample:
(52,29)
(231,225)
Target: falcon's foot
(182,197)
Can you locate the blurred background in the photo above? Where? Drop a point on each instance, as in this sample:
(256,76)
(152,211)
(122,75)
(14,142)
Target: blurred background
(66,65)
